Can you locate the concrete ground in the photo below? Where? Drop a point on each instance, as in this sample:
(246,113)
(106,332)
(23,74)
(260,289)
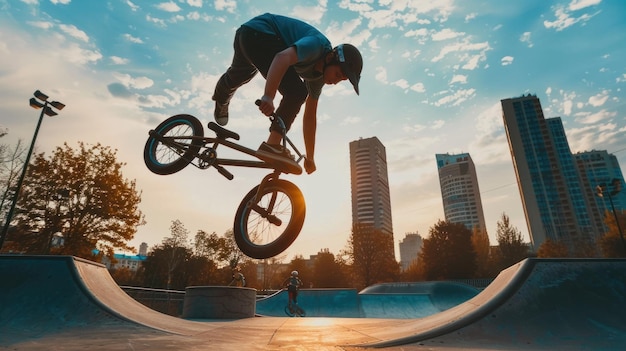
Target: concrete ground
(64,303)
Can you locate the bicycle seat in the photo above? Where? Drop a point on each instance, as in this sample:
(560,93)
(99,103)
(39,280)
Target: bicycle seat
(221,132)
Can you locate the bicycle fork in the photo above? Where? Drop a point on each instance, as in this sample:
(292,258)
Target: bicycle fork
(266,212)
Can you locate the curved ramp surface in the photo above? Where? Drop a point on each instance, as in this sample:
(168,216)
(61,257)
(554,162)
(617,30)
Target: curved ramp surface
(397,301)
(56,302)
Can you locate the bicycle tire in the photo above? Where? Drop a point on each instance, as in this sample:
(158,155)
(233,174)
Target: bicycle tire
(288,311)
(254,234)
(163,159)
(300,312)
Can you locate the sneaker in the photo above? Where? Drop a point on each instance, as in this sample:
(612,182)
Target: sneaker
(221,113)
(275,150)
(280,157)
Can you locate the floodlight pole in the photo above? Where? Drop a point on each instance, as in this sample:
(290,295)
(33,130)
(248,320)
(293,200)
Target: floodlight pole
(45,109)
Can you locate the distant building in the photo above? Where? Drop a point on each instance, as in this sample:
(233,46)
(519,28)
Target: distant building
(554,184)
(131,262)
(371,203)
(410,248)
(596,168)
(460,192)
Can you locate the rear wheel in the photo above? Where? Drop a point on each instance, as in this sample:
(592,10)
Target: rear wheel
(267,223)
(181,140)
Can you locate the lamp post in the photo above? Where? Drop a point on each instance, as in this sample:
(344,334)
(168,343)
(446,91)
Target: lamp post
(46,109)
(601,191)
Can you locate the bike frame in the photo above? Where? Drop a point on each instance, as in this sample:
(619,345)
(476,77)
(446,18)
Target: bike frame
(207,154)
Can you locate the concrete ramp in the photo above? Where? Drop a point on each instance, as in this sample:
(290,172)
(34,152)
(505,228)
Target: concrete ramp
(395,301)
(43,295)
(565,304)
(60,302)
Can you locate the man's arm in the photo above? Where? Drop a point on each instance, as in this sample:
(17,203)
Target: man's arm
(281,62)
(309,128)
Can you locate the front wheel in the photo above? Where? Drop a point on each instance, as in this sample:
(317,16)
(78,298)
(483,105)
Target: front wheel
(177,141)
(268,221)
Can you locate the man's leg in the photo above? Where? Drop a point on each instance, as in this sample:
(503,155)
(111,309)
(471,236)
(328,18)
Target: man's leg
(240,72)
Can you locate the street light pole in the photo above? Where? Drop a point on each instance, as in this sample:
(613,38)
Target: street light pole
(47,110)
(616,189)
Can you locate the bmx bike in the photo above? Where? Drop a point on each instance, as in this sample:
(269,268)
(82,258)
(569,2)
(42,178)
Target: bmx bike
(271,215)
(294,310)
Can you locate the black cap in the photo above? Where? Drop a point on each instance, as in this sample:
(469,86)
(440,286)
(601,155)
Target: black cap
(351,63)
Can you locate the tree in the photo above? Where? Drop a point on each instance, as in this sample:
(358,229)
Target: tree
(484,266)
(11,163)
(448,252)
(611,242)
(177,246)
(552,249)
(80,195)
(512,247)
(372,256)
(328,272)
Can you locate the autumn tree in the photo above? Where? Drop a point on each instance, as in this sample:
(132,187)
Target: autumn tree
(81,196)
(512,248)
(328,272)
(448,252)
(484,262)
(371,256)
(552,249)
(612,242)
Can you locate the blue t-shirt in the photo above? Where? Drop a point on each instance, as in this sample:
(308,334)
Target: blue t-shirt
(310,44)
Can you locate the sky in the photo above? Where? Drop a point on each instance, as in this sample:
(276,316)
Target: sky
(433,77)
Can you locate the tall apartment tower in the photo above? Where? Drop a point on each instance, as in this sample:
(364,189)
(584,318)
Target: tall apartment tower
(410,247)
(371,203)
(547,175)
(460,192)
(598,168)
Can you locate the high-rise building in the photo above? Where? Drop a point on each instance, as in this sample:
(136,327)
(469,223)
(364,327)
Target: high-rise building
(410,247)
(460,192)
(371,203)
(599,168)
(549,182)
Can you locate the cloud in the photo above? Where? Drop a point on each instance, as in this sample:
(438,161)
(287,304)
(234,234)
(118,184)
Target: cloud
(119,60)
(226,5)
(310,14)
(576,5)
(445,34)
(418,87)
(194,3)
(381,75)
(593,118)
(137,83)
(462,48)
(525,38)
(507,60)
(456,98)
(119,90)
(564,18)
(132,39)
(599,99)
(458,78)
(41,24)
(74,32)
(168,6)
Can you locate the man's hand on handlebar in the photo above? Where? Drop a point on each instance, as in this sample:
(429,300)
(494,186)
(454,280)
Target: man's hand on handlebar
(266,105)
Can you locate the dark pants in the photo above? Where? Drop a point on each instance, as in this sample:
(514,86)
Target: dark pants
(254,52)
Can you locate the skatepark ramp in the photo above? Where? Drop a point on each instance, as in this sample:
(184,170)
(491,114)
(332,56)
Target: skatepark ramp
(63,302)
